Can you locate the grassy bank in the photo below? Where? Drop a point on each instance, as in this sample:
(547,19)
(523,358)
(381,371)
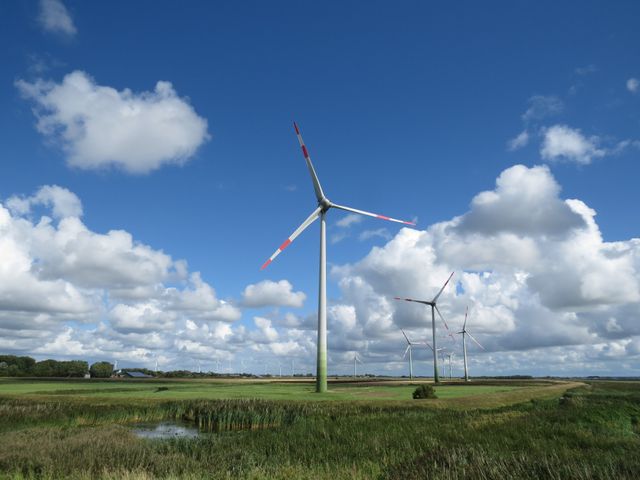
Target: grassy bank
(591,432)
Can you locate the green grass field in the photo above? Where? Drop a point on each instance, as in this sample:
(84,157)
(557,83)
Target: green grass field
(208,389)
(488,430)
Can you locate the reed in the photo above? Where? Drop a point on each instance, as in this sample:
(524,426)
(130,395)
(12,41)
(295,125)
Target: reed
(594,434)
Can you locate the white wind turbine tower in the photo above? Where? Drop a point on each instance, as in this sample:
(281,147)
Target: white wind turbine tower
(444,366)
(449,356)
(464,344)
(356,360)
(409,349)
(434,308)
(324,205)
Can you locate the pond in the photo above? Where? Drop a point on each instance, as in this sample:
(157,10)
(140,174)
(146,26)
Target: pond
(165,430)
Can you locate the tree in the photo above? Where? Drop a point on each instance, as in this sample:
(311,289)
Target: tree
(16,366)
(53,368)
(101,370)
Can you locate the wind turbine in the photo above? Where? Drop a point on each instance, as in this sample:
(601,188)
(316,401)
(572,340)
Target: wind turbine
(356,360)
(156,365)
(449,356)
(409,349)
(434,308)
(115,367)
(324,205)
(464,344)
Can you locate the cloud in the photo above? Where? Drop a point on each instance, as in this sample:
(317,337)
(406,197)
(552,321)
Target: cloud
(265,332)
(55,276)
(99,126)
(587,70)
(379,232)
(542,106)
(633,85)
(519,141)
(564,143)
(533,265)
(348,220)
(268,293)
(63,203)
(54,17)
(518,190)
(337,237)
(547,294)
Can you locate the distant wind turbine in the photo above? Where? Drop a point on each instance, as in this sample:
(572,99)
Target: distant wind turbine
(324,205)
(356,360)
(409,349)
(434,308)
(449,356)
(464,333)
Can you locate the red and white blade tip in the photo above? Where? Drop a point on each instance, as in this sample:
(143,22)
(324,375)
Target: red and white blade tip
(284,245)
(295,126)
(383,217)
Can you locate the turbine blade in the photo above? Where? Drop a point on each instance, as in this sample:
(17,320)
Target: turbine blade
(310,219)
(465,318)
(442,318)
(405,336)
(477,343)
(443,287)
(427,344)
(405,352)
(412,300)
(312,171)
(369,214)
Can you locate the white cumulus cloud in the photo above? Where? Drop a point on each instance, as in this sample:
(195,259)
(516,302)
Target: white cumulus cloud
(269,293)
(633,85)
(63,203)
(564,143)
(99,126)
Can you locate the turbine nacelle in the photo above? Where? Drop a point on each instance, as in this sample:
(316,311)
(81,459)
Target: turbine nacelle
(325,203)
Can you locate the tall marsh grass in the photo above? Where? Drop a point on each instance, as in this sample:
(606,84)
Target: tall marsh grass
(594,434)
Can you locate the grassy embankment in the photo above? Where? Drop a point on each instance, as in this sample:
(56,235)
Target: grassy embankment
(593,433)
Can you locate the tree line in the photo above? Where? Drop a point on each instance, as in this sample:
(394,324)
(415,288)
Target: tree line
(14,366)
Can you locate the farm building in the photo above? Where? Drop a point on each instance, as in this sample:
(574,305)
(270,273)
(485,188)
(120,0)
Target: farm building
(128,374)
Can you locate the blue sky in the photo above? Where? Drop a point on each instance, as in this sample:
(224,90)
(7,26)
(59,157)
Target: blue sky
(409,110)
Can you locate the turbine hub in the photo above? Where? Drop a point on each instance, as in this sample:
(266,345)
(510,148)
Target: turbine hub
(325,204)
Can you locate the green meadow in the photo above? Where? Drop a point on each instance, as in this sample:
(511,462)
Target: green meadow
(271,429)
(221,389)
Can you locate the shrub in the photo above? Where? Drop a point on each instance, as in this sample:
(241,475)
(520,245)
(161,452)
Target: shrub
(424,391)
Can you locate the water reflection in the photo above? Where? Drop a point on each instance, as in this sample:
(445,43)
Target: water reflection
(157,431)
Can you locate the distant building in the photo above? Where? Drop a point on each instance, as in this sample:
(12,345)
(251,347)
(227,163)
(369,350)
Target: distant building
(127,374)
